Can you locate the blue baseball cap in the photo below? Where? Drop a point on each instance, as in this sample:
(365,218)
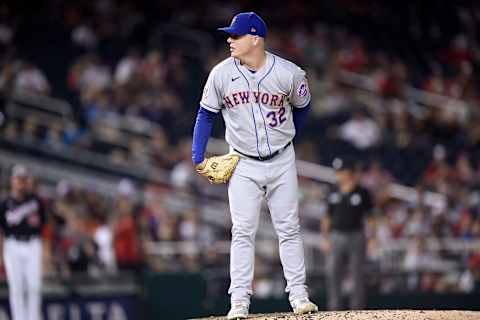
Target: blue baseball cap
(246,23)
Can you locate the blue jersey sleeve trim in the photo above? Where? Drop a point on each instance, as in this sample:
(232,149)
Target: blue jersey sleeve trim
(299,118)
(201,133)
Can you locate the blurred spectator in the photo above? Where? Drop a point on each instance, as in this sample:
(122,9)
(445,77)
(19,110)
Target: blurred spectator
(95,74)
(103,237)
(139,152)
(376,179)
(361,131)
(466,282)
(183,175)
(79,248)
(31,79)
(30,129)
(353,57)
(89,73)
(54,137)
(11,131)
(127,67)
(127,189)
(125,231)
(163,154)
(459,51)
(416,225)
(154,70)
(6,34)
(390,82)
(84,36)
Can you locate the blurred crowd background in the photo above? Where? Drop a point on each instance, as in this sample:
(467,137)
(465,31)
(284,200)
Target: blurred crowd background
(100,97)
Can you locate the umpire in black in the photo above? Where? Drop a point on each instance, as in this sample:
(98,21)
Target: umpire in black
(348,205)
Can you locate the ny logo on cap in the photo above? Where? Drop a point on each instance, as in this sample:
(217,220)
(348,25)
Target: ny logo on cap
(253,29)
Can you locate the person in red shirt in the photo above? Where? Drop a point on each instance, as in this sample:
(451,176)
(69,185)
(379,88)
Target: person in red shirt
(126,241)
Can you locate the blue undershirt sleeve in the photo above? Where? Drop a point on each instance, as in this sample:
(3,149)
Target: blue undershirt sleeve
(201,134)
(299,118)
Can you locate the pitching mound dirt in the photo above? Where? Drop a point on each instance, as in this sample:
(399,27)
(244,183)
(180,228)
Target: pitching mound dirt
(369,315)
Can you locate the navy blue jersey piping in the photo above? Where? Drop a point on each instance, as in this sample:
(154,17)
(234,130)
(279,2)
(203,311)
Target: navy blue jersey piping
(260,108)
(253,114)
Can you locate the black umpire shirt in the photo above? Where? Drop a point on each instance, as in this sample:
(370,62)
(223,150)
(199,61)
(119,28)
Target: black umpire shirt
(348,210)
(22,219)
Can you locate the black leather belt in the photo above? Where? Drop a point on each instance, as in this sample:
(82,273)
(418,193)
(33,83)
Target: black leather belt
(23,237)
(266,158)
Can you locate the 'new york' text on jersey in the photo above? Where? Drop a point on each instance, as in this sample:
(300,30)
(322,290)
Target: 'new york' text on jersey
(257,106)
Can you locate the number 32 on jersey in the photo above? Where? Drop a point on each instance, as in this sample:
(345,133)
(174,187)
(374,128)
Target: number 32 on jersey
(276,117)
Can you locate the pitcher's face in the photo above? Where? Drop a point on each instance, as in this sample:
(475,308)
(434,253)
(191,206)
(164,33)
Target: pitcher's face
(241,46)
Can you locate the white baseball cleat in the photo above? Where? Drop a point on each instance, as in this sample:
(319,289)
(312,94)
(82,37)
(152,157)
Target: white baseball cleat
(238,311)
(303,305)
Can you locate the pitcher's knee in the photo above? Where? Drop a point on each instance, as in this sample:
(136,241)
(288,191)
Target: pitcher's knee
(288,231)
(243,232)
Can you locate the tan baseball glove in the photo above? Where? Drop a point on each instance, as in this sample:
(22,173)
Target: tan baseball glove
(218,169)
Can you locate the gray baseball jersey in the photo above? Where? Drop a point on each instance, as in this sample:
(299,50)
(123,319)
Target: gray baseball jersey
(257,106)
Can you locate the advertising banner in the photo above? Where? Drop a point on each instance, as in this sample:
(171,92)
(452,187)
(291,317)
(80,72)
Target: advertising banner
(84,308)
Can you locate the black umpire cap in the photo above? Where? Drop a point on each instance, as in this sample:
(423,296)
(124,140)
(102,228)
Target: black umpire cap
(344,163)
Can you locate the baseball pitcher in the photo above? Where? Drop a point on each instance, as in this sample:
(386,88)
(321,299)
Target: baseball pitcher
(22,218)
(264,100)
